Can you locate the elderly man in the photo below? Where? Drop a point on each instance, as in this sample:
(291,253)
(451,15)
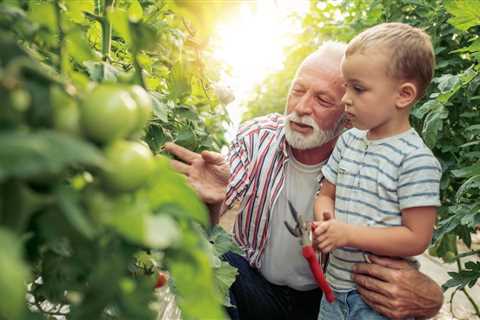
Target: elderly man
(278,158)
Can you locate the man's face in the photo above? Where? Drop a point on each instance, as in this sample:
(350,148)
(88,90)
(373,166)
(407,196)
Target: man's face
(314,106)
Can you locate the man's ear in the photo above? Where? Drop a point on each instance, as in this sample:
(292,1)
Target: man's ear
(407,93)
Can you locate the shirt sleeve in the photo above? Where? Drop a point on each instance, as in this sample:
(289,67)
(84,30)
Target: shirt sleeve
(419,180)
(329,171)
(239,160)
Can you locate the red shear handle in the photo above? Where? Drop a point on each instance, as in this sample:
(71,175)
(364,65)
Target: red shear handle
(311,257)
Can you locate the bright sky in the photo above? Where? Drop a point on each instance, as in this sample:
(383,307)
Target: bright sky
(252,44)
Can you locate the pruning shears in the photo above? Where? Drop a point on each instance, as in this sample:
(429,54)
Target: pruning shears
(303,230)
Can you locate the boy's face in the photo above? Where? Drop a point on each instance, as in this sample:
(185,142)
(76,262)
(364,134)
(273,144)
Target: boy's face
(371,95)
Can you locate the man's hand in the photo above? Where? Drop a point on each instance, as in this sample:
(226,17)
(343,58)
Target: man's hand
(396,289)
(330,234)
(207,172)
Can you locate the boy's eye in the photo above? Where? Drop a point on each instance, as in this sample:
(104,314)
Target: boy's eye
(355,87)
(358,88)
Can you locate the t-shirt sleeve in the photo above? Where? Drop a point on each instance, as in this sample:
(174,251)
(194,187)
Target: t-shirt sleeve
(419,180)
(329,171)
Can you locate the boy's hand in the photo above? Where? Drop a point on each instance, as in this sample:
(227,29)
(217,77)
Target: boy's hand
(330,234)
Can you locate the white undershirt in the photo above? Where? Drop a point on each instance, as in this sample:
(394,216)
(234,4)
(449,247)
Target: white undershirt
(283,263)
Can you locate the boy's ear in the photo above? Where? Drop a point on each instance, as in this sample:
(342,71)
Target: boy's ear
(407,93)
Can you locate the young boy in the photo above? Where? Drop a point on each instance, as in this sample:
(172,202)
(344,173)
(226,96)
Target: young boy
(381,186)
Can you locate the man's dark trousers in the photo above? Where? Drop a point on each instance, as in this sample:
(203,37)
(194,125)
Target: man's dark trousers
(256,298)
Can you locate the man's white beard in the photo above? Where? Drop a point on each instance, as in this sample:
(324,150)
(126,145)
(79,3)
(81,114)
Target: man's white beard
(315,139)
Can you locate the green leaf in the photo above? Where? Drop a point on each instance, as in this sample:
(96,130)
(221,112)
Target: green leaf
(101,71)
(25,155)
(161,231)
(14,275)
(75,9)
(466,13)
(19,203)
(225,276)
(473,47)
(467,172)
(178,82)
(160,109)
(461,279)
(222,241)
(119,20)
(43,13)
(471,183)
(167,187)
(425,108)
(69,203)
(77,46)
(433,125)
(192,274)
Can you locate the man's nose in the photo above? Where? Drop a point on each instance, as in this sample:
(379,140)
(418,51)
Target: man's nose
(304,106)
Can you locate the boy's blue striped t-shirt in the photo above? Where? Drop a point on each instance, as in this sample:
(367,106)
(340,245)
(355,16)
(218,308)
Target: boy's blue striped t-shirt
(375,180)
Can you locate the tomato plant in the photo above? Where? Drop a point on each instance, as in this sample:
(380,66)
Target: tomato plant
(89,217)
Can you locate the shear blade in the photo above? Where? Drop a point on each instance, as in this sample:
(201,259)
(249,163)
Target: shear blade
(293,231)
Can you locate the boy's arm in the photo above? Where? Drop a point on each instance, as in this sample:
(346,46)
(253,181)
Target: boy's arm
(325,200)
(410,239)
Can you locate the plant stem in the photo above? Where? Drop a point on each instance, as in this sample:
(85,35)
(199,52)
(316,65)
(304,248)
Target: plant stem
(61,36)
(106,30)
(466,254)
(475,306)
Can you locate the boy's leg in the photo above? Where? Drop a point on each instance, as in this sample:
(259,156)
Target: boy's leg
(256,298)
(336,310)
(358,309)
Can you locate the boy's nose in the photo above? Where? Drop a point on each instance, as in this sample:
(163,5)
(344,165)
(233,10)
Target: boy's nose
(347,101)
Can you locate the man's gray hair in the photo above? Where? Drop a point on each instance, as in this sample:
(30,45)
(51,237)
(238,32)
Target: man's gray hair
(332,48)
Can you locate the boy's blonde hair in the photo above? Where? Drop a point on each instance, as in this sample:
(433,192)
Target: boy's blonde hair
(411,51)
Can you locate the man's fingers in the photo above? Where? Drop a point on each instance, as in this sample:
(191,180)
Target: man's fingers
(378,302)
(372,284)
(373,270)
(180,152)
(213,157)
(391,263)
(180,167)
(373,298)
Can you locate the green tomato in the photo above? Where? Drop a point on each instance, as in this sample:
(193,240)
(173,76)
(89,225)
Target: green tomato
(108,113)
(449,256)
(66,115)
(144,107)
(129,165)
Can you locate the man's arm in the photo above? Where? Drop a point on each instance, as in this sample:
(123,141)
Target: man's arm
(396,289)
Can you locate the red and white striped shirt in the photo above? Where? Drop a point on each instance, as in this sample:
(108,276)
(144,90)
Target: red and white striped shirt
(257,159)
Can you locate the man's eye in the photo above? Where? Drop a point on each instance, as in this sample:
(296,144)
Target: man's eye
(298,91)
(324,101)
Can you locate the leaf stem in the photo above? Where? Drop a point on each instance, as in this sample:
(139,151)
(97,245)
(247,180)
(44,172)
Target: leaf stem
(61,36)
(475,306)
(466,254)
(106,30)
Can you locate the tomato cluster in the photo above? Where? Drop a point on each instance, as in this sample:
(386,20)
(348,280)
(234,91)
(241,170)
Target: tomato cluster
(113,116)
